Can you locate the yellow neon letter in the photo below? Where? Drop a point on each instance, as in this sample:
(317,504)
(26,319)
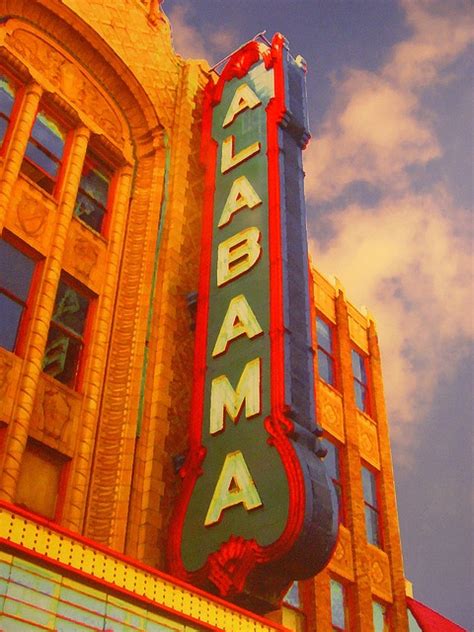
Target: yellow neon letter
(237,254)
(238,320)
(241,194)
(234,486)
(230,160)
(243,98)
(225,400)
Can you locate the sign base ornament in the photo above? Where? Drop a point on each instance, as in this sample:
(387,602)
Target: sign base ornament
(257,509)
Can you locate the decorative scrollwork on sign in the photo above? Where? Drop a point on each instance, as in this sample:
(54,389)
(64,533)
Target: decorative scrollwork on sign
(230,565)
(70,80)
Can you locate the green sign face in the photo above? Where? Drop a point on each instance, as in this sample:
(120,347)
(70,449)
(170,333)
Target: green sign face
(243,488)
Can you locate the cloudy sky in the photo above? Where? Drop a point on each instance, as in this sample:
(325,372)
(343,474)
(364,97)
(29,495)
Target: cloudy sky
(389,188)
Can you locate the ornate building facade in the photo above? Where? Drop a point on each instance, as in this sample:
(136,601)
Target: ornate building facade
(101,192)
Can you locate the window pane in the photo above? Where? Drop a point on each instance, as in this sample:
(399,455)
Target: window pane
(3,128)
(324,335)
(89,211)
(7,96)
(358,367)
(293,596)
(331,460)
(379,613)
(70,309)
(372,526)
(361,394)
(93,193)
(16,270)
(369,485)
(48,133)
(62,354)
(40,158)
(11,315)
(325,367)
(95,183)
(337,604)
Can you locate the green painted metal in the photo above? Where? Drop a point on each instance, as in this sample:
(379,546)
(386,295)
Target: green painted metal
(151,305)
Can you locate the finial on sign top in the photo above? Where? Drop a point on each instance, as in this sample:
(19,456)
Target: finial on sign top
(260,35)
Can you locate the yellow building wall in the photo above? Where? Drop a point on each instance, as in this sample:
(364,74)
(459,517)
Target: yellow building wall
(367,572)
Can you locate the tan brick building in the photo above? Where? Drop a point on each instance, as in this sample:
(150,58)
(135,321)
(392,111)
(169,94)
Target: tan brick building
(100,209)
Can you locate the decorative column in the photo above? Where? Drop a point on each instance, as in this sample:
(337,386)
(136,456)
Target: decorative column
(18,429)
(92,386)
(17,146)
(360,598)
(389,513)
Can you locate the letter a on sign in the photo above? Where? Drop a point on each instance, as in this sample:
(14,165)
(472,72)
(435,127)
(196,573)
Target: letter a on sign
(235,486)
(244,97)
(238,320)
(241,195)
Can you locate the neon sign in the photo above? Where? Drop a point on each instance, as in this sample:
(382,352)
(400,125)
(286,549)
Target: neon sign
(256,509)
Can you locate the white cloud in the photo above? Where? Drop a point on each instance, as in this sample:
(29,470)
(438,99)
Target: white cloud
(408,257)
(377,126)
(191,42)
(406,261)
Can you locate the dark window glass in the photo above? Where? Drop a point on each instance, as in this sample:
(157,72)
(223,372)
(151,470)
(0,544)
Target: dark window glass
(325,351)
(11,317)
(44,151)
(338,605)
(91,202)
(65,338)
(324,335)
(7,97)
(325,366)
(16,273)
(369,484)
(360,381)
(372,526)
(331,461)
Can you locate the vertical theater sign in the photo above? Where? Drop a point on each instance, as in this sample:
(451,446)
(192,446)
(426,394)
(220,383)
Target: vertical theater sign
(256,509)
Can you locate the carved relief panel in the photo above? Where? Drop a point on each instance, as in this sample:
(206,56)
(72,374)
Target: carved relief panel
(330,411)
(31,215)
(368,440)
(9,374)
(56,415)
(324,296)
(357,329)
(85,255)
(379,573)
(342,561)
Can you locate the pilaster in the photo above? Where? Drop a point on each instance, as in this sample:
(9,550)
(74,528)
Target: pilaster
(16,149)
(389,514)
(360,590)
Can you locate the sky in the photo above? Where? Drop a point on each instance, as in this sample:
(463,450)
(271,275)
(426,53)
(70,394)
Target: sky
(389,191)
